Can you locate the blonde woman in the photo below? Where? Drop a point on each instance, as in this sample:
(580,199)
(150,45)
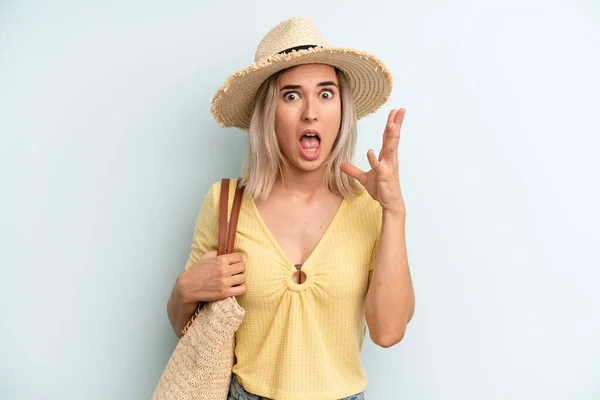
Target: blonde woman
(320,252)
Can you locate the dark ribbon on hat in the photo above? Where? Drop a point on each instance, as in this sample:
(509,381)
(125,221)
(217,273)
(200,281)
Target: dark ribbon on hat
(304,47)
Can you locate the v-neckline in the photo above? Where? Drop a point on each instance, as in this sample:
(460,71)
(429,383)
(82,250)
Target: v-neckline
(278,247)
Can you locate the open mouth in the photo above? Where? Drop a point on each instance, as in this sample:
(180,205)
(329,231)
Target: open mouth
(310,145)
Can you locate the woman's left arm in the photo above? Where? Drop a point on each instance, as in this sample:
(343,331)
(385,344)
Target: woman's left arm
(390,301)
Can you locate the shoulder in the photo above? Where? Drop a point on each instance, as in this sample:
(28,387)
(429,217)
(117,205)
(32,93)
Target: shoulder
(364,204)
(214,192)
(212,198)
(365,213)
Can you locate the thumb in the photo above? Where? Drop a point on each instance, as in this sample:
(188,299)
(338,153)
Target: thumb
(209,254)
(353,171)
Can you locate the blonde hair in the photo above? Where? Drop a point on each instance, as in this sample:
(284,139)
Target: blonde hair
(264,158)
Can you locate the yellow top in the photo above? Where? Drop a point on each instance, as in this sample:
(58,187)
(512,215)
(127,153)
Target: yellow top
(299,341)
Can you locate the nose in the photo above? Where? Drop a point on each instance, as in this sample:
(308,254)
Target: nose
(309,114)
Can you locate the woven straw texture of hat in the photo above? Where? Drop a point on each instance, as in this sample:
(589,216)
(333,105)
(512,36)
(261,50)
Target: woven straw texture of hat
(370,80)
(200,366)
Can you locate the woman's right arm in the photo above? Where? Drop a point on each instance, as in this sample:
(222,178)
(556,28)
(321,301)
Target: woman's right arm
(179,310)
(210,278)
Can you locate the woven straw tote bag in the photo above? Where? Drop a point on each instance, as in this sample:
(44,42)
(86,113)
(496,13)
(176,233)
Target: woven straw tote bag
(200,366)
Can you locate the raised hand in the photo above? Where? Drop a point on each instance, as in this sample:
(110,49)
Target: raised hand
(383,181)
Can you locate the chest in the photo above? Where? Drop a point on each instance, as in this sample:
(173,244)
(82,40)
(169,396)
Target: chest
(298,229)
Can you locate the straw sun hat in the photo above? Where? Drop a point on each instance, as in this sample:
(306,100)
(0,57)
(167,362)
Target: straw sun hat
(294,42)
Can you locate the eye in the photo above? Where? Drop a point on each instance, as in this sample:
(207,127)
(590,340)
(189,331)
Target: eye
(326,94)
(291,96)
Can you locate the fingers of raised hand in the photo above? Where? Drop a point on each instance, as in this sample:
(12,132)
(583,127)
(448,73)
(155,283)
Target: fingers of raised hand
(392,116)
(391,134)
(396,117)
(373,161)
(353,171)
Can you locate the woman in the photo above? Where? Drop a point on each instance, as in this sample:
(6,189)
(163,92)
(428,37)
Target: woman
(320,252)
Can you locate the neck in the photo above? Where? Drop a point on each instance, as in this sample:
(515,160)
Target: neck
(303,184)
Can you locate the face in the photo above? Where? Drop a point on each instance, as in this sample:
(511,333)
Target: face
(308,116)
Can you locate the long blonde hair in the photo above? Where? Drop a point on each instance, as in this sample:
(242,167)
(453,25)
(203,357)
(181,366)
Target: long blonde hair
(264,158)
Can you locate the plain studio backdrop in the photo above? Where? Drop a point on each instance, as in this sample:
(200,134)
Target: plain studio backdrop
(108,146)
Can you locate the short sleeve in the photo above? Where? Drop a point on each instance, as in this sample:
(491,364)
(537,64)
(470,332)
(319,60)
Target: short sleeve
(206,229)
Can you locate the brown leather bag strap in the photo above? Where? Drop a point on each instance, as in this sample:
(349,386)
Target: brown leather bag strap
(227,241)
(223,206)
(235,213)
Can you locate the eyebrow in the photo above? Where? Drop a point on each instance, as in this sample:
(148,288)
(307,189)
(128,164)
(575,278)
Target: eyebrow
(320,84)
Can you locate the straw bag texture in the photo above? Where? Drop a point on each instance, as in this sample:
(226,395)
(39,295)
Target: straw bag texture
(200,366)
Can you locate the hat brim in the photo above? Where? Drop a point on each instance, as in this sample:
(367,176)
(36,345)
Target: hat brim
(369,79)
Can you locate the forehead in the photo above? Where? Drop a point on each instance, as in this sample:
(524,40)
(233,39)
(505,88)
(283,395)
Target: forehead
(308,74)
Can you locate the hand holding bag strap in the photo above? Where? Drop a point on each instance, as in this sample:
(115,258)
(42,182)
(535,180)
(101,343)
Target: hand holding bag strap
(235,212)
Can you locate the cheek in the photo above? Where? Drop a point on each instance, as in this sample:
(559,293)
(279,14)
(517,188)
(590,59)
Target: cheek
(332,119)
(284,126)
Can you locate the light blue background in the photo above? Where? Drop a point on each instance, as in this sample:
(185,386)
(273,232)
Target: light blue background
(107,147)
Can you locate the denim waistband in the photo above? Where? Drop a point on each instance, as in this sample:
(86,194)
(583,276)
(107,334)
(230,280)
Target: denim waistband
(237,392)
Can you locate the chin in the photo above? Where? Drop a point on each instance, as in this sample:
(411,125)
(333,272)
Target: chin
(299,163)
(310,166)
